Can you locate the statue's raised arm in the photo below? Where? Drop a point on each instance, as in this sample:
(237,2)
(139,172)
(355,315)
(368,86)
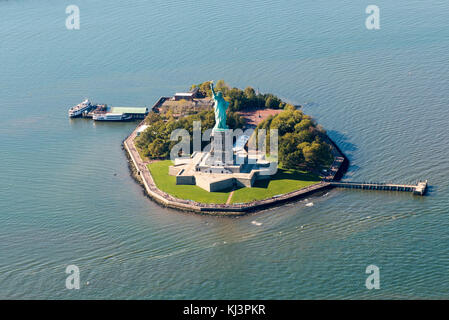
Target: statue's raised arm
(212,89)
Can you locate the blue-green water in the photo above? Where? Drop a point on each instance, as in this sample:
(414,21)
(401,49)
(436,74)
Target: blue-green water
(66,196)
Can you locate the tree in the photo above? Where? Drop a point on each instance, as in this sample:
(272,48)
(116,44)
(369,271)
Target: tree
(250,93)
(305,124)
(270,102)
(155,142)
(157,149)
(316,153)
(222,86)
(294,159)
(299,142)
(234,120)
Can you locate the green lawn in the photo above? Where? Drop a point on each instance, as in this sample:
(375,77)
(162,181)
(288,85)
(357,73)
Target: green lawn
(282,182)
(167,183)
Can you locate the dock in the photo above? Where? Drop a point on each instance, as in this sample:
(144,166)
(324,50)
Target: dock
(419,189)
(134,113)
(340,164)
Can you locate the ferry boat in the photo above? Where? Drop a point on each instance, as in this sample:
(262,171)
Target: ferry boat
(111,117)
(80,108)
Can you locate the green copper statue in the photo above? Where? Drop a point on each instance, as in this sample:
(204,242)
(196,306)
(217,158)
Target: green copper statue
(220,107)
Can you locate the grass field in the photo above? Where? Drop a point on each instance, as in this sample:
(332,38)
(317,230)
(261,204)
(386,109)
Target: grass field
(282,182)
(167,183)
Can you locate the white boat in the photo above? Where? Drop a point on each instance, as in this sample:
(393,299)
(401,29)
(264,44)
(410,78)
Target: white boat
(111,117)
(80,108)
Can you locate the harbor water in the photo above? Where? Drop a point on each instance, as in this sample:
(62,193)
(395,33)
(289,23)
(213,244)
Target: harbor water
(67,198)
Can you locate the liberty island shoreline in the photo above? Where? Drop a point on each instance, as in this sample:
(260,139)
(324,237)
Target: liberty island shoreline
(141,174)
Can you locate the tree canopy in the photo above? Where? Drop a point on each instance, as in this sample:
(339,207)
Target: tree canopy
(241,99)
(155,142)
(301,142)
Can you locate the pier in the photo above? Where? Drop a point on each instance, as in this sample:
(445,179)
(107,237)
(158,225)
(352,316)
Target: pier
(133,113)
(418,189)
(94,111)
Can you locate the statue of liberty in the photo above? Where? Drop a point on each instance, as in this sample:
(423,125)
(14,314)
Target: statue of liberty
(220,107)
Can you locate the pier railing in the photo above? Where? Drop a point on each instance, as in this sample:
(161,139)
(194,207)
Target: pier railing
(418,189)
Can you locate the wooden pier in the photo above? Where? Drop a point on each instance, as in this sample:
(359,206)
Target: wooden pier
(418,189)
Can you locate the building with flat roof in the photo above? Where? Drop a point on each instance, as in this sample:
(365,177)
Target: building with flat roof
(186,95)
(134,112)
(183,96)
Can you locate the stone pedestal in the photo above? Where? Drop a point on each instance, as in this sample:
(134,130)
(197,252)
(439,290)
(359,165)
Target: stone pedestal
(221,152)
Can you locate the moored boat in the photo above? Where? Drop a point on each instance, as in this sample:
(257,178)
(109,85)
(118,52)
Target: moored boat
(78,110)
(111,117)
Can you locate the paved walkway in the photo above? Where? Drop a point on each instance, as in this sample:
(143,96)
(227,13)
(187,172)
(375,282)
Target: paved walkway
(230,197)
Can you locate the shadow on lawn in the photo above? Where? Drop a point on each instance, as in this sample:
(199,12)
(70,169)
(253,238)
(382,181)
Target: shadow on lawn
(283,174)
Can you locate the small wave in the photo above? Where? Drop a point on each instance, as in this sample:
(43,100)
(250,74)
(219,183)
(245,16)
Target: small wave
(256,223)
(310,204)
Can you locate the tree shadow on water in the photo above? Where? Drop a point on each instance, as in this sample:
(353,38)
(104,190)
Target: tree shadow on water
(342,141)
(347,147)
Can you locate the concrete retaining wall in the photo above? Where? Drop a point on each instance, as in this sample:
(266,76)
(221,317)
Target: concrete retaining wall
(221,185)
(189,180)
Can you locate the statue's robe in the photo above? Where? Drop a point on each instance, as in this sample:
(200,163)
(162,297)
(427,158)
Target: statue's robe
(220,107)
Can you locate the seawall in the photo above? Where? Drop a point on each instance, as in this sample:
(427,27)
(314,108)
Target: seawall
(143,176)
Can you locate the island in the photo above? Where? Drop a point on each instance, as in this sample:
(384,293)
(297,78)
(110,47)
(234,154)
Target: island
(228,179)
(226,175)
